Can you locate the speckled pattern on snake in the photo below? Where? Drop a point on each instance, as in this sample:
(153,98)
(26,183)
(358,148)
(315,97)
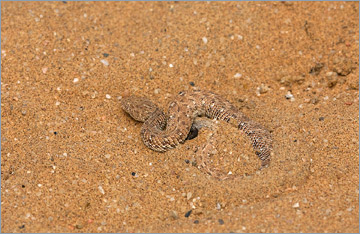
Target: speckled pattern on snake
(161,132)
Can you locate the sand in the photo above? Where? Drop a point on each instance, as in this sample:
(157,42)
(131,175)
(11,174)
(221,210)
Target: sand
(73,161)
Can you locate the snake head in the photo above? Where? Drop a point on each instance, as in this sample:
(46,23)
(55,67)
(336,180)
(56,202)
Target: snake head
(139,108)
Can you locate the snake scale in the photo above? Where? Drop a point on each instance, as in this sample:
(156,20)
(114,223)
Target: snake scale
(161,132)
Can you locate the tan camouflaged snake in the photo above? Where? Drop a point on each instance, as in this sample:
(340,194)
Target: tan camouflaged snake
(161,132)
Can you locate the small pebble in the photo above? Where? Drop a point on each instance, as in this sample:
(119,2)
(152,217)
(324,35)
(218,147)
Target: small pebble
(296,205)
(187,214)
(108,96)
(105,62)
(237,75)
(174,214)
(221,222)
(101,189)
(188,195)
(196,221)
(76,80)
(321,119)
(205,40)
(170,65)
(133,173)
(106,55)
(192,83)
(289,96)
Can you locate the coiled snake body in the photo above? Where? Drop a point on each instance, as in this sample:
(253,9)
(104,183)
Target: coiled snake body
(161,132)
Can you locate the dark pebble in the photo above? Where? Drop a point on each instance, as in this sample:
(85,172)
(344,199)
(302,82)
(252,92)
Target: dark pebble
(187,161)
(106,55)
(295,140)
(22,186)
(192,83)
(321,118)
(55,133)
(196,221)
(187,214)
(64,2)
(221,222)
(22,226)
(133,173)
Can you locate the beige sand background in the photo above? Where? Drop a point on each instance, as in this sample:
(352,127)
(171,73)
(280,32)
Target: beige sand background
(73,161)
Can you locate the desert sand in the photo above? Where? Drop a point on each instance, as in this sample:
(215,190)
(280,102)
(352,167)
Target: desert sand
(73,161)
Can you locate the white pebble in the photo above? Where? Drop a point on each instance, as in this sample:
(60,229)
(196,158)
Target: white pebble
(205,40)
(296,205)
(105,62)
(170,65)
(101,189)
(57,103)
(108,96)
(76,80)
(107,156)
(65,154)
(289,95)
(237,75)
(330,73)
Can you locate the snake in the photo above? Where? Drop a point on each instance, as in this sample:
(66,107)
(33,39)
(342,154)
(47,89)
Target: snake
(162,132)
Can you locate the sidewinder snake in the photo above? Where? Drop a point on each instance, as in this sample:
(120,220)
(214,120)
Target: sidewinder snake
(161,132)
